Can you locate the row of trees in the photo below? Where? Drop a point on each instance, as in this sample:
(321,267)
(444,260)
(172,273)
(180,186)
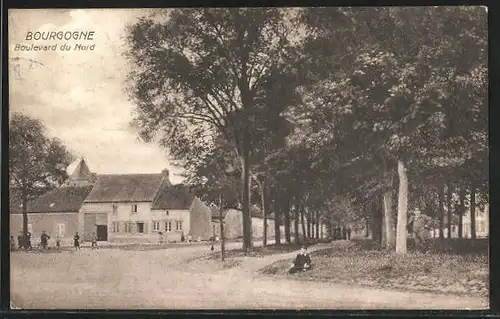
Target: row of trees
(342,113)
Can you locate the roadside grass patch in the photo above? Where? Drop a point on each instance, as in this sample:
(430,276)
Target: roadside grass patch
(432,271)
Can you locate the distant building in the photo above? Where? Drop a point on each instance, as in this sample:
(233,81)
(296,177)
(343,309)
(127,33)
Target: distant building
(56,212)
(117,207)
(482,225)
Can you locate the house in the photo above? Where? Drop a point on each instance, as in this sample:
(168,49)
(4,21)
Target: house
(233,223)
(143,208)
(482,225)
(56,212)
(117,207)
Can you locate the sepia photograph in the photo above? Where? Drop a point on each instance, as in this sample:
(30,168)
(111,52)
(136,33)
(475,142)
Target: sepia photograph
(249,158)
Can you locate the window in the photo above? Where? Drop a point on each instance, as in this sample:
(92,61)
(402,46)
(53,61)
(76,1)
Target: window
(115,227)
(168,226)
(140,227)
(126,228)
(156,226)
(134,208)
(60,229)
(115,209)
(167,213)
(178,226)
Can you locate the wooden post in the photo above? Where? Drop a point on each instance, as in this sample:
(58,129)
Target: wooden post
(221,221)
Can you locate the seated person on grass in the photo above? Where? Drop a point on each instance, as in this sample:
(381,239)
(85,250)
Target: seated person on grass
(302,262)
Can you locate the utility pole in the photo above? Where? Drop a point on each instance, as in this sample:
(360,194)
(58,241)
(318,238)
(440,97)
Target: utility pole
(222,248)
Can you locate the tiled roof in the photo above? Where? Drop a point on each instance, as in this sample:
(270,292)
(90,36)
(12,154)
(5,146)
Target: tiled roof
(173,197)
(63,199)
(125,188)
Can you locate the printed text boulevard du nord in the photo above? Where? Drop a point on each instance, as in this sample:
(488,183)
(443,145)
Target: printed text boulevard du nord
(37,36)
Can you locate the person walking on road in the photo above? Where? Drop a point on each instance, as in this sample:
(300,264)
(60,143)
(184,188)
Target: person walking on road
(76,241)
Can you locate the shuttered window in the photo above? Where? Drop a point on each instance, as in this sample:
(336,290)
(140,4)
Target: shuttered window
(156,226)
(168,226)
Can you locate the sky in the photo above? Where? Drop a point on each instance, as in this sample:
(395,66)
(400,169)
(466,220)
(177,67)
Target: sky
(80,95)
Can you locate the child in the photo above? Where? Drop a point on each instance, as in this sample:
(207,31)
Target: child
(12,243)
(76,240)
(94,241)
(58,243)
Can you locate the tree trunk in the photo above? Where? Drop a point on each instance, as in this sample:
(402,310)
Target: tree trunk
(401,231)
(264,212)
(448,205)
(313,224)
(461,212)
(367,227)
(390,231)
(308,223)
(302,220)
(441,209)
(317,224)
(473,211)
(296,222)
(25,221)
(277,231)
(247,220)
(286,214)
(376,222)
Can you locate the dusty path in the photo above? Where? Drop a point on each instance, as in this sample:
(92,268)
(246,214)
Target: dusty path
(161,280)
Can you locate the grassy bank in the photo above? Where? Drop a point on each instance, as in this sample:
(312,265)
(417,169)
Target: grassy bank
(359,263)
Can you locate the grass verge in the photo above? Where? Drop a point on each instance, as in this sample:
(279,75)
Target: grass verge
(358,263)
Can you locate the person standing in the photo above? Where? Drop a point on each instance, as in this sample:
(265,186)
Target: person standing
(349,233)
(76,241)
(94,241)
(44,240)
(28,241)
(12,243)
(58,243)
(20,242)
(419,225)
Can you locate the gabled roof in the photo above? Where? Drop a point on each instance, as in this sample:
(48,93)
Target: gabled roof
(125,188)
(63,199)
(173,197)
(81,172)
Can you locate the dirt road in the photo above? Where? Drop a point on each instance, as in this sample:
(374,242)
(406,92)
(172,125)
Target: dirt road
(160,279)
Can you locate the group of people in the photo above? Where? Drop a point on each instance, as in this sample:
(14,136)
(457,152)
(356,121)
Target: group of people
(25,243)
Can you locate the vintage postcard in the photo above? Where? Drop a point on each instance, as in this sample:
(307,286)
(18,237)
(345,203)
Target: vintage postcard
(249,158)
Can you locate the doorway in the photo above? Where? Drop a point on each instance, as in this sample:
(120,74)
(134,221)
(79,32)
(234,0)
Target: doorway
(102,233)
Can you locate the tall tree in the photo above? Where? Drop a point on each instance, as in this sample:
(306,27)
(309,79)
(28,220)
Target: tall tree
(37,163)
(211,70)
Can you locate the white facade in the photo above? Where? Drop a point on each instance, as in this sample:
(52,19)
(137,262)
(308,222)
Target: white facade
(135,221)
